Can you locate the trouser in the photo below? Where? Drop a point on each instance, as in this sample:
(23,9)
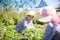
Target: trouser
(49,32)
(57,33)
(56,36)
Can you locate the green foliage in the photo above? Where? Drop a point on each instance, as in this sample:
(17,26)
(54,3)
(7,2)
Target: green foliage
(10,18)
(33,34)
(58,10)
(8,23)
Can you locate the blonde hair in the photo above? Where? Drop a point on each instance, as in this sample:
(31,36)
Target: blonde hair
(50,10)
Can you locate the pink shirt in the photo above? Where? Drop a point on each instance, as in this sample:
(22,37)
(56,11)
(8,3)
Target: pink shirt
(56,19)
(58,14)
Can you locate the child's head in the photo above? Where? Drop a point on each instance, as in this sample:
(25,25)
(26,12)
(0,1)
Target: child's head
(30,15)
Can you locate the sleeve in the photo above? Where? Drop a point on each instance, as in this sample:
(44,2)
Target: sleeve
(25,24)
(19,27)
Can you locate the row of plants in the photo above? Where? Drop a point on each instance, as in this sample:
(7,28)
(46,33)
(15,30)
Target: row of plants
(8,23)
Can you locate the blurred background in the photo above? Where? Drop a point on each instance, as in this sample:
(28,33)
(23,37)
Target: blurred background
(13,11)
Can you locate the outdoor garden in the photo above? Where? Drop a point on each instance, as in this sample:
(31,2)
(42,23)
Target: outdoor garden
(10,15)
(8,22)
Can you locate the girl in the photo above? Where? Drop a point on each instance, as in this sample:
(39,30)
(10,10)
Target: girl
(49,16)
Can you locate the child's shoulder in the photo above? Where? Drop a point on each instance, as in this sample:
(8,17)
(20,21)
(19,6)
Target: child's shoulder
(24,20)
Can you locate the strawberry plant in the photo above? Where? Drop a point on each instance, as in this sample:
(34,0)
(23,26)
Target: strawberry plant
(8,23)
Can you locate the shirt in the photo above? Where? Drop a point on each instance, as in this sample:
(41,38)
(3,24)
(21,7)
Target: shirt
(23,25)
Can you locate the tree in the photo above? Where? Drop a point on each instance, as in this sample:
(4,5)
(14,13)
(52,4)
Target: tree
(6,4)
(28,4)
(58,8)
(16,4)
